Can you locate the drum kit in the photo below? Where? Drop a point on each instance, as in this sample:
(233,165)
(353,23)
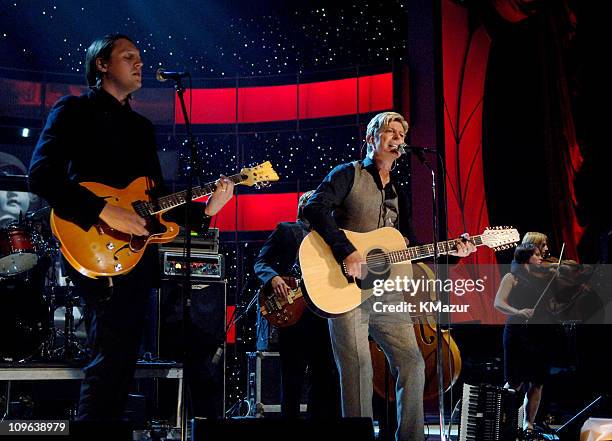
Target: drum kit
(40,315)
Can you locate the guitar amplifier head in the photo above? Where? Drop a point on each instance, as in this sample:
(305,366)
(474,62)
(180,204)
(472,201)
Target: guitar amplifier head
(203,265)
(206,242)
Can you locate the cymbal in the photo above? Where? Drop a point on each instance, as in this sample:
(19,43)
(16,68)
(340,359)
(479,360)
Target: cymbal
(14,182)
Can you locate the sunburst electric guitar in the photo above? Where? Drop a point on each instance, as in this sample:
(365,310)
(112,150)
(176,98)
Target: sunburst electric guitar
(331,291)
(104,251)
(279,311)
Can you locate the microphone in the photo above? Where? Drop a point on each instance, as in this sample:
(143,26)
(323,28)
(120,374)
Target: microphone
(164,75)
(404,148)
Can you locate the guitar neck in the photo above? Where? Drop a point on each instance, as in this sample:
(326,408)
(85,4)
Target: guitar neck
(173,200)
(425,251)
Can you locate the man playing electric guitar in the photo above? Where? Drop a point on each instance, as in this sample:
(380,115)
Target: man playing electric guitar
(363,196)
(97,137)
(306,343)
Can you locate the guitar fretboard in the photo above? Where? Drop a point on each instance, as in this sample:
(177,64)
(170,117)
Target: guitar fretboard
(425,251)
(165,203)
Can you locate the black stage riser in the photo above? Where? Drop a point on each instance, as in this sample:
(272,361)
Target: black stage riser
(279,429)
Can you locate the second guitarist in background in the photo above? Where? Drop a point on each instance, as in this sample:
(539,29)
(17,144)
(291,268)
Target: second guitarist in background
(97,137)
(363,196)
(306,343)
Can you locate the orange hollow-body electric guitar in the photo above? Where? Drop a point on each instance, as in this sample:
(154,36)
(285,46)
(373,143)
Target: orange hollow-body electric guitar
(104,251)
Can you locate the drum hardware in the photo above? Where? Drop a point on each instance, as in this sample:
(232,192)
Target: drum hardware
(39,312)
(23,310)
(72,348)
(63,342)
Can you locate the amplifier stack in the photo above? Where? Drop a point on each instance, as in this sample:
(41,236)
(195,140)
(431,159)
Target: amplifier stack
(205,262)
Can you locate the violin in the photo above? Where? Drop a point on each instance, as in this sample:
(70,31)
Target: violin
(426,337)
(570,296)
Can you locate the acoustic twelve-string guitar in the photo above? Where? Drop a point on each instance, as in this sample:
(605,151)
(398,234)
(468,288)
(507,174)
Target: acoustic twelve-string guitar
(330,290)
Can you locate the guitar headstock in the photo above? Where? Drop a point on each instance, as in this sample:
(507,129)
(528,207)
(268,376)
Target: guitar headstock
(500,238)
(258,174)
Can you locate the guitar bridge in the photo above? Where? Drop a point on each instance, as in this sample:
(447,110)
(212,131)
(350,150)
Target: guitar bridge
(349,279)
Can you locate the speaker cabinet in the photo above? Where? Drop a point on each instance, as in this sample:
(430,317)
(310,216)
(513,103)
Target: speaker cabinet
(200,346)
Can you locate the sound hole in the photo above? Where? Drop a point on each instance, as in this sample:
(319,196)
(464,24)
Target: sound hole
(378,267)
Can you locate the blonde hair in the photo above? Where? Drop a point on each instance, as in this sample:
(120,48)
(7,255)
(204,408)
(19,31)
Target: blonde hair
(381,122)
(538,239)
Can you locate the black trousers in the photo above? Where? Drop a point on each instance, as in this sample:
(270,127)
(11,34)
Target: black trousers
(306,345)
(114,317)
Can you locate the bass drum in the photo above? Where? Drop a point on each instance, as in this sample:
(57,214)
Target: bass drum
(24,316)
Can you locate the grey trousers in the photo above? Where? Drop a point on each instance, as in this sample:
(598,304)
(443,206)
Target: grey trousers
(394,333)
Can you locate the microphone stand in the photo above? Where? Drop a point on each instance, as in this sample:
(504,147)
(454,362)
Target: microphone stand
(186,291)
(439,353)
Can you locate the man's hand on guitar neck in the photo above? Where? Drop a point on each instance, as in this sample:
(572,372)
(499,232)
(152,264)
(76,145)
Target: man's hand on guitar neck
(221,196)
(353,264)
(123,220)
(464,246)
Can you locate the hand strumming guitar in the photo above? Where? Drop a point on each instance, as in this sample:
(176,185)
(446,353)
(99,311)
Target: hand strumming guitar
(123,220)
(353,263)
(280,287)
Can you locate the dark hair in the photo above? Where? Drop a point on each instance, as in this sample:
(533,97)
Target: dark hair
(523,252)
(100,48)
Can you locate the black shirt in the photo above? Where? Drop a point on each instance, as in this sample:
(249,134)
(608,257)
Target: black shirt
(94,138)
(279,254)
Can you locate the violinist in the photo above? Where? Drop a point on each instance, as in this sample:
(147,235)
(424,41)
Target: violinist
(526,355)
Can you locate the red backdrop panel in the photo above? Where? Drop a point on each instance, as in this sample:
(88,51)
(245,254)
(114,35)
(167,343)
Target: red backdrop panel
(329,98)
(465,54)
(230,337)
(274,103)
(210,106)
(257,212)
(375,93)
(280,103)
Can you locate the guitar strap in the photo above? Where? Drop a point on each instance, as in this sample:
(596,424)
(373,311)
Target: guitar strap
(298,235)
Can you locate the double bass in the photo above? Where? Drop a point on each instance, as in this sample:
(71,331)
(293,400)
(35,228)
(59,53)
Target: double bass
(425,333)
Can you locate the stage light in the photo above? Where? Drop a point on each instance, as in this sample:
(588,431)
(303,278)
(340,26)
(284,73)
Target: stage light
(25,132)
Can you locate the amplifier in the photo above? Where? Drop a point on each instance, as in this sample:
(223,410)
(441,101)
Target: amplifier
(206,242)
(203,265)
